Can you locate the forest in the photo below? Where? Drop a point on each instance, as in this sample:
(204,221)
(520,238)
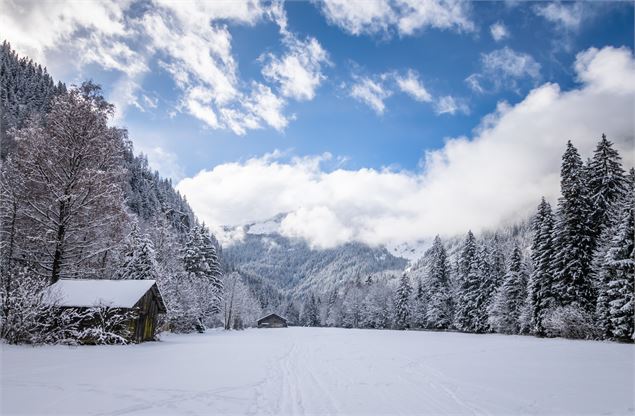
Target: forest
(77,202)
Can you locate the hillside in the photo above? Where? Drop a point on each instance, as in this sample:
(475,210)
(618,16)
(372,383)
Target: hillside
(292,265)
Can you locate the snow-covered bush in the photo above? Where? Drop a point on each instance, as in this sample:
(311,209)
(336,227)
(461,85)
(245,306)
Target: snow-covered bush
(28,319)
(569,322)
(105,325)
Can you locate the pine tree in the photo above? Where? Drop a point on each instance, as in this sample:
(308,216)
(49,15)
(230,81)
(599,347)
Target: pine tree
(620,265)
(487,288)
(497,262)
(139,258)
(606,185)
(510,297)
(573,237)
(402,303)
(468,285)
(311,312)
(419,318)
(439,308)
(541,296)
(194,261)
(213,270)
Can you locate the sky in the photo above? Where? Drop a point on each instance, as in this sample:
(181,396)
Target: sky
(380,121)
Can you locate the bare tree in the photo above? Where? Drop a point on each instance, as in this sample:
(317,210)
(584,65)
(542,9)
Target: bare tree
(71,167)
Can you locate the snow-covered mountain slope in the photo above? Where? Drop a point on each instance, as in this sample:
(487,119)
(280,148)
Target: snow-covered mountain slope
(291,264)
(411,251)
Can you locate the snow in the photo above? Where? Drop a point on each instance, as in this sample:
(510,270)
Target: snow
(88,293)
(269,226)
(298,371)
(411,251)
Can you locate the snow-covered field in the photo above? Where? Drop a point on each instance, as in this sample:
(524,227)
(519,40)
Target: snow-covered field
(298,371)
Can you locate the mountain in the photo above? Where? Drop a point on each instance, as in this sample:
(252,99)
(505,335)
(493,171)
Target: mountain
(293,266)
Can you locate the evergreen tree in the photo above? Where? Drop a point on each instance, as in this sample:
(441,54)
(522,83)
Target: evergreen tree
(487,288)
(208,250)
(606,185)
(439,308)
(311,312)
(541,296)
(573,237)
(194,261)
(139,258)
(497,262)
(419,308)
(292,314)
(468,285)
(620,265)
(402,303)
(510,297)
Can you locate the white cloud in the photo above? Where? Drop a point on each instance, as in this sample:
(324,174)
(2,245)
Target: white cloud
(35,27)
(503,68)
(165,162)
(371,92)
(498,31)
(450,105)
(566,16)
(411,85)
(192,42)
(268,106)
(498,174)
(298,72)
(405,17)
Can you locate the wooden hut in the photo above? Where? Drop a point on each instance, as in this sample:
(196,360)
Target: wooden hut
(139,296)
(272,321)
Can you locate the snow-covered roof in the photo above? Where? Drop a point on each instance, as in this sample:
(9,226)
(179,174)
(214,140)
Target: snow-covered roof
(270,315)
(89,292)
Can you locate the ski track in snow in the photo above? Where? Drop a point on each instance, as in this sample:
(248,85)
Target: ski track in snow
(321,371)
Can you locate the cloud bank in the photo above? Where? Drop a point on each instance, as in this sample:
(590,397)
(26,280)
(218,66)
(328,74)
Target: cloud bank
(478,182)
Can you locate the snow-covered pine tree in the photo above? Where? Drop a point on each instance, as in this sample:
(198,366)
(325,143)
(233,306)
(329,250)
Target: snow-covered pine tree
(467,286)
(292,314)
(403,310)
(573,237)
(541,296)
(497,262)
(620,265)
(194,261)
(606,185)
(311,312)
(139,261)
(510,297)
(487,288)
(419,307)
(608,188)
(439,305)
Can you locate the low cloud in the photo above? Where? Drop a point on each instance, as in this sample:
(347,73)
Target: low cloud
(496,175)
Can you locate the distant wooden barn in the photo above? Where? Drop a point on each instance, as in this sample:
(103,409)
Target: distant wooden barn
(140,296)
(272,321)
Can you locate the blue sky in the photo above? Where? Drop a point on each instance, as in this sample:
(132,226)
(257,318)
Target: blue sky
(327,86)
(335,122)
